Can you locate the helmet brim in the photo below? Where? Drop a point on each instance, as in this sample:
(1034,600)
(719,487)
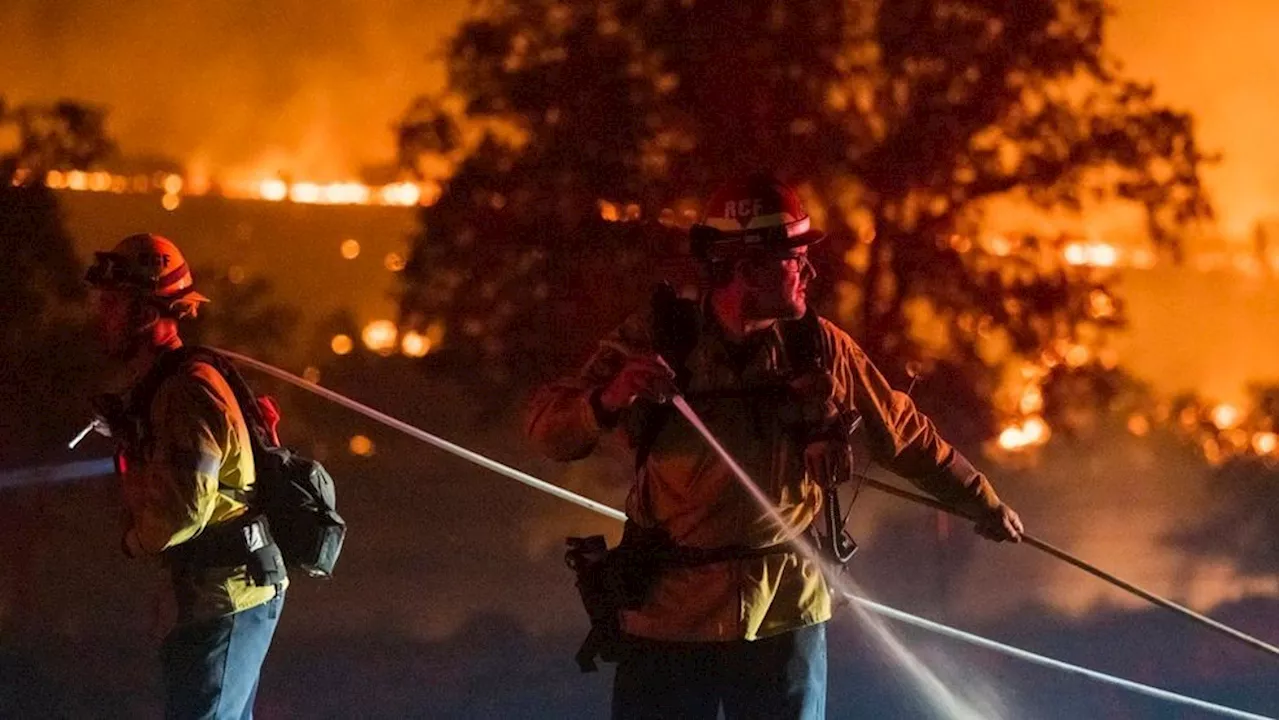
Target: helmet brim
(806,238)
(709,243)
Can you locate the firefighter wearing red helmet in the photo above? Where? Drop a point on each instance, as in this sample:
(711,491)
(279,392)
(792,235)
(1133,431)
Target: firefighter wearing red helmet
(186,466)
(153,269)
(716,611)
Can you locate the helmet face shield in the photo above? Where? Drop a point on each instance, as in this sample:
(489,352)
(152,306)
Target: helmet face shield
(112,270)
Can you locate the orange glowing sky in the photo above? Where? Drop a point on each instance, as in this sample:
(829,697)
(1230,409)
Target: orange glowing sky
(1220,61)
(235,86)
(243,87)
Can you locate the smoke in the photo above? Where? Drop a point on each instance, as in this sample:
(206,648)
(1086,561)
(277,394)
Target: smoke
(239,84)
(1120,502)
(234,87)
(1220,62)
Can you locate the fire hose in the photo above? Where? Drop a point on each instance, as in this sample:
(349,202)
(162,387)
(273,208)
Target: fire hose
(870,605)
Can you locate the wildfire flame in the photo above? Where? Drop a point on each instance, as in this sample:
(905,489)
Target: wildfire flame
(173,187)
(1032,431)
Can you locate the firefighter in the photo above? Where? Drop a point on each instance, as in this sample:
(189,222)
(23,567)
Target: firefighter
(187,475)
(725,614)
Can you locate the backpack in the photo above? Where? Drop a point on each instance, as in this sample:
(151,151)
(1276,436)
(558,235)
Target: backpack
(296,493)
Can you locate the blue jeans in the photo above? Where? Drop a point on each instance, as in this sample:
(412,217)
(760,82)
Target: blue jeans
(782,677)
(211,667)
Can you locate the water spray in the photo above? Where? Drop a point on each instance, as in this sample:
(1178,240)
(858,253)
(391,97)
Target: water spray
(941,697)
(64,472)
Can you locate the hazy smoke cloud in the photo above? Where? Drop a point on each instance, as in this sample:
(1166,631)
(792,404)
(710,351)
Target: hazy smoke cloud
(289,86)
(234,86)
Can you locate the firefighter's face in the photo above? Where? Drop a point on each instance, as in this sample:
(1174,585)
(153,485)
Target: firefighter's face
(115,319)
(777,286)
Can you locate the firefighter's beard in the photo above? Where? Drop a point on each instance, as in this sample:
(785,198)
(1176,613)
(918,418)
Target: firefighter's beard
(783,299)
(118,336)
(123,347)
(124,331)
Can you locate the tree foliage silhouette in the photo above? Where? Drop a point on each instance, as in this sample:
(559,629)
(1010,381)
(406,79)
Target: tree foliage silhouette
(65,135)
(902,121)
(44,341)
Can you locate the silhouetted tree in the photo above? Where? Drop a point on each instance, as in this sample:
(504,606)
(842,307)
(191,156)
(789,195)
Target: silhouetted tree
(1239,525)
(901,121)
(66,135)
(44,341)
(47,368)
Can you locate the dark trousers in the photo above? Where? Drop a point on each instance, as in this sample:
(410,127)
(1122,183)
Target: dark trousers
(211,667)
(783,677)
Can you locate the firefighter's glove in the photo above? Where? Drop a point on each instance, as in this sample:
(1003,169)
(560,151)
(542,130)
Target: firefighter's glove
(642,377)
(1000,523)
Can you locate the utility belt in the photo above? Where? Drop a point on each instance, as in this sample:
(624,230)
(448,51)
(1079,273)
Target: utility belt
(612,580)
(245,540)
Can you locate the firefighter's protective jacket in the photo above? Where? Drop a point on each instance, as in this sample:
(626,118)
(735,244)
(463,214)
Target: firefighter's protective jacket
(685,489)
(190,470)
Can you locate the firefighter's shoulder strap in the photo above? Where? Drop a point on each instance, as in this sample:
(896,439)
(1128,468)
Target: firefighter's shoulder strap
(171,362)
(802,344)
(142,395)
(676,325)
(295,492)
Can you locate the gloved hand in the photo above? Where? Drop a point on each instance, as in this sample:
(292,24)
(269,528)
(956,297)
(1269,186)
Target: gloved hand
(1000,524)
(643,376)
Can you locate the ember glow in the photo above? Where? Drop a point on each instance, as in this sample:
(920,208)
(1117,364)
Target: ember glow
(1029,433)
(380,336)
(1098,254)
(414,344)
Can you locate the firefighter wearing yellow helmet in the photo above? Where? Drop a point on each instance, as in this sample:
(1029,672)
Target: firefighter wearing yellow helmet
(187,472)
